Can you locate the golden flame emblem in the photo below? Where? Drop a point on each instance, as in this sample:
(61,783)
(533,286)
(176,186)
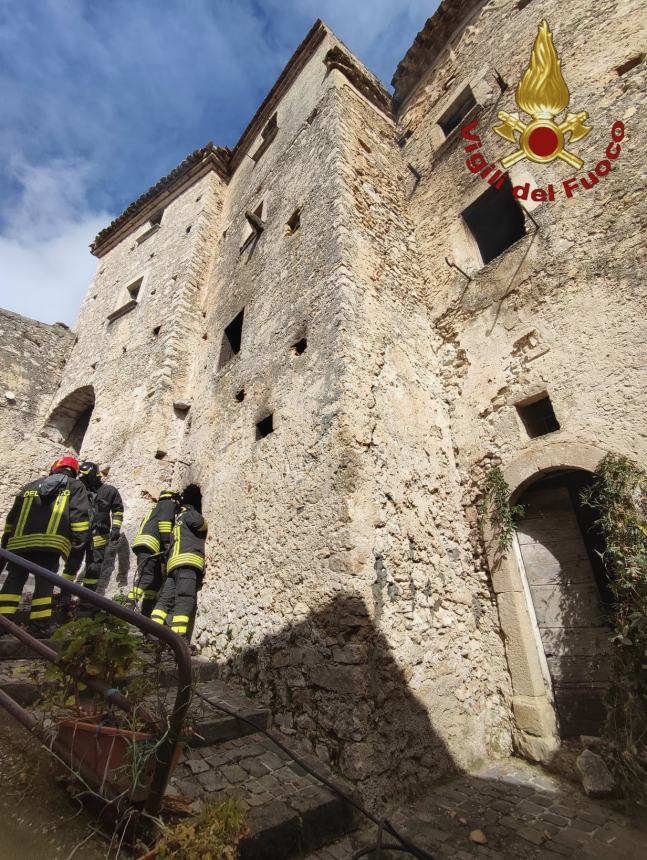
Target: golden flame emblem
(542,93)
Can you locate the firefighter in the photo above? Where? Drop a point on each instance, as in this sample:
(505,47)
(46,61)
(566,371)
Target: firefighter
(150,546)
(106,517)
(184,568)
(49,518)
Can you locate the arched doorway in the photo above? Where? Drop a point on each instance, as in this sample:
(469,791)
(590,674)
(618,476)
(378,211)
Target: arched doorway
(68,422)
(558,550)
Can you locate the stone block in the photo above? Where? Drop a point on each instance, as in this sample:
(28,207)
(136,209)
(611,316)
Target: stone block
(596,777)
(534,715)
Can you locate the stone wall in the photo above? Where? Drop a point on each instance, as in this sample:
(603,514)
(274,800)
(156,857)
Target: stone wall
(560,310)
(32,358)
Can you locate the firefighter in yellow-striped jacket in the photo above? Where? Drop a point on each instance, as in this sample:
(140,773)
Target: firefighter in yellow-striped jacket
(150,546)
(106,518)
(49,517)
(184,569)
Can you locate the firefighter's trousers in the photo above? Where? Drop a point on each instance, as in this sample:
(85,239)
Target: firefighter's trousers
(94,556)
(11,591)
(148,580)
(177,601)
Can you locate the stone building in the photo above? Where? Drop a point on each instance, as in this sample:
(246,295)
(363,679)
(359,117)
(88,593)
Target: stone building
(335,330)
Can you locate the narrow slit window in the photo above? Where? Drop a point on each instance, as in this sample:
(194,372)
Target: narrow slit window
(300,346)
(495,220)
(133,290)
(156,219)
(294,221)
(457,111)
(129,299)
(629,65)
(538,416)
(232,339)
(267,136)
(265,426)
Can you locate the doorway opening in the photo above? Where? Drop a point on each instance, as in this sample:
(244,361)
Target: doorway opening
(559,553)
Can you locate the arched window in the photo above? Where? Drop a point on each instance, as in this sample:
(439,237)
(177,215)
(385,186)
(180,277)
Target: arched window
(69,420)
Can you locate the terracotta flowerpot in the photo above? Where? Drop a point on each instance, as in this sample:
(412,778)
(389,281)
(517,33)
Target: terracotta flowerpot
(111,752)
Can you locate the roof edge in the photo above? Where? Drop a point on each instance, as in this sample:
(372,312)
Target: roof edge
(428,44)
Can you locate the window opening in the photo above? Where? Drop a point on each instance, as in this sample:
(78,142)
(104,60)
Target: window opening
(495,220)
(294,221)
(538,416)
(300,346)
(267,136)
(231,339)
(457,111)
(240,395)
(265,426)
(630,64)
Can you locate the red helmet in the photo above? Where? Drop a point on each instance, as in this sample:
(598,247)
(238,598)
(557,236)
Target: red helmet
(65,463)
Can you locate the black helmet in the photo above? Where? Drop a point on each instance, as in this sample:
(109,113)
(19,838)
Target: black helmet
(89,472)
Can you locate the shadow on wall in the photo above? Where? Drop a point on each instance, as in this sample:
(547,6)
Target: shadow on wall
(333,680)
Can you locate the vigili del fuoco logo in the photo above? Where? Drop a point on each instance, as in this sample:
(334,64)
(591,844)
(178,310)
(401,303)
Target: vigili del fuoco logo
(542,94)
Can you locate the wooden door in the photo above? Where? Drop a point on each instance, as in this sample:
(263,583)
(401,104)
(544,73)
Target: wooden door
(568,606)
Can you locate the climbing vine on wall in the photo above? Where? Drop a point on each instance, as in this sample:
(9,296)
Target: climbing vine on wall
(618,495)
(496,510)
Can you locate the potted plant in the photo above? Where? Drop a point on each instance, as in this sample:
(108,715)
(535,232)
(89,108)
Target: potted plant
(118,747)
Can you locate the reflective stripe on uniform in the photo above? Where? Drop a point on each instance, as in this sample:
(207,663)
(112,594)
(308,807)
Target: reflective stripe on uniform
(69,576)
(40,541)
(41,601)
(165,526)
(80,527)
(99,541)
(158,616)
(27,502)
(189,559)
(87,581)
(135,593)
(42,613)
(57,513)
(147,541)
(10,598)
(8,610)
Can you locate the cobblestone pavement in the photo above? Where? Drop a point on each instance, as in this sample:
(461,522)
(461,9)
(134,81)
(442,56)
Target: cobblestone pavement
(522,811)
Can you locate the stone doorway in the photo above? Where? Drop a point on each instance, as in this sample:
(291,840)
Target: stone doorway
(558,552)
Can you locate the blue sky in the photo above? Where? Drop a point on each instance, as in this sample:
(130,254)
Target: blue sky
(100,98)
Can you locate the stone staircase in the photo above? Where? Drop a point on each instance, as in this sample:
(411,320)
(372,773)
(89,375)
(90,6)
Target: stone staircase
(290,813)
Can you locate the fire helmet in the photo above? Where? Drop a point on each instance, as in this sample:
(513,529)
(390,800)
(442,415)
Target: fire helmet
(65,463)
(88,470)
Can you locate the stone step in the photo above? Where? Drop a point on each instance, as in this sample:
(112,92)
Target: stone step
(289,812)
(212,727)
(13,649)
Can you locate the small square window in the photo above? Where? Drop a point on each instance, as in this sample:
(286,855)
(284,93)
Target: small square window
(538,416)
(265,426)
(156,219)
(129,299)
(267,136)
(495,220)
(457,111)
(232,339)
(134,288)
(240,395)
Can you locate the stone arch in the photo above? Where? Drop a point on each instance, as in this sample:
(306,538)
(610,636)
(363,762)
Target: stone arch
(536,734)
(69,420)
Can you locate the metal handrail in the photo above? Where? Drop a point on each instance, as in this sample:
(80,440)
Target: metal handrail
(177,644)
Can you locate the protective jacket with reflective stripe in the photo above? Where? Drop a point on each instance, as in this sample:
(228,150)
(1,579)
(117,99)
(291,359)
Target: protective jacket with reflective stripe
(155,529)
(50,514)
(187,542)
(107,510)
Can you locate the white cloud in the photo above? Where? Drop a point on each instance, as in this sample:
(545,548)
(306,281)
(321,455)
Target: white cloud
(45,262)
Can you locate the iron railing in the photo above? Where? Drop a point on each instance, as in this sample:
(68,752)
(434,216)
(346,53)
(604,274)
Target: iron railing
(170,739)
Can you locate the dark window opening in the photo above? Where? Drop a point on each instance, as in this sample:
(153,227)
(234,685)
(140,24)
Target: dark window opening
(192,495)
(522,4)
(312,116)
(538,417)
(70,420)
(457,111)
(240,395)
(300,346)
(133,289)
(401,141)
(265,426)
(623,68)
(267,136)
(159,454)
(231,339)
(495,220)
(364,145)
(75,439)
(294,221)
(156,219)
(256,225)
(157,330)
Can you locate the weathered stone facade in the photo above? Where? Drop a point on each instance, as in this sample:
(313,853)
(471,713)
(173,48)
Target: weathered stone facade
(346,581)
